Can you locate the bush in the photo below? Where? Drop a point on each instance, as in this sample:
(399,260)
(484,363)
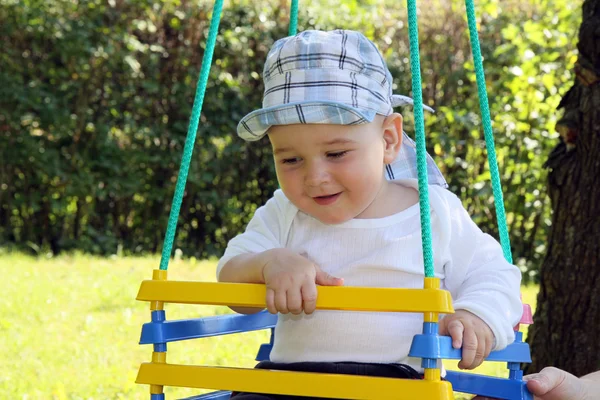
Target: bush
(96,98)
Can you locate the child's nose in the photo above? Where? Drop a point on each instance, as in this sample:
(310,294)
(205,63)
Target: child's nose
(316,175)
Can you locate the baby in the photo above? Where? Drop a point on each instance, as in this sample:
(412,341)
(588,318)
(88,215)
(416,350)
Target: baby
(347,214)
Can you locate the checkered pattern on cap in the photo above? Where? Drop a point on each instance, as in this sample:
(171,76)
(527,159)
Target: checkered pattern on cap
(405,165)
(318,77)
(336,77)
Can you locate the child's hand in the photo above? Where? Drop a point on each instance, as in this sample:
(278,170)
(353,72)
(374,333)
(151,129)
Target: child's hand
(471,333)
(291,283)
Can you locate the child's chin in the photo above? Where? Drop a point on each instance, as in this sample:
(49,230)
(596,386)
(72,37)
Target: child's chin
(329,219)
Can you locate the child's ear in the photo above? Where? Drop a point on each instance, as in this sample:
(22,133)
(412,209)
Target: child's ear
(392,137)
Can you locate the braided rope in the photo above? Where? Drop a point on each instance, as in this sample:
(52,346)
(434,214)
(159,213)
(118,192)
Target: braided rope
(488,133)
(293,18)
(191,135)
(415,67)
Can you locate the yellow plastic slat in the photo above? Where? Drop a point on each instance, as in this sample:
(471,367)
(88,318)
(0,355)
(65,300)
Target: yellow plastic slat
(329,298)
(431,283)
(432,374)
(294,383)
(158,275)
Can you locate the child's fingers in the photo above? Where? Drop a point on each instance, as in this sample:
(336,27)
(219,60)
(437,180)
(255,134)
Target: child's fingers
(294,300)
(456,329)
(309,297)
(271,301)
(469,349)
(324,279)
(480,352)
(489,342)
(281,301)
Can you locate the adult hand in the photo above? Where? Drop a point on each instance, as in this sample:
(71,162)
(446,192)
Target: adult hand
(555,384)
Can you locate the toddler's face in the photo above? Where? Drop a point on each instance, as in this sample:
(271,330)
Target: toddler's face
(331,172)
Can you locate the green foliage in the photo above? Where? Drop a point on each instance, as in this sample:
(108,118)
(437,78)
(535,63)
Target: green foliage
(96,98)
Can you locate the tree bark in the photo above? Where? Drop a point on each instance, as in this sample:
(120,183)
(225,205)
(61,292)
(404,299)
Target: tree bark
(567,320)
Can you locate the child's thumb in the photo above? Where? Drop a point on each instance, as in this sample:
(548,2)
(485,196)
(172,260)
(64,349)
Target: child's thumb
(324,279)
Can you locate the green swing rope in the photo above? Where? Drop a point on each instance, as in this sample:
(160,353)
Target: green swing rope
(487,130)
(420,135)
(293,18)
(194,121)
(415,67)
(190,139)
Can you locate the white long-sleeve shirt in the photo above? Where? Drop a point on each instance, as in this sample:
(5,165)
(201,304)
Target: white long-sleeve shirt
(384,252)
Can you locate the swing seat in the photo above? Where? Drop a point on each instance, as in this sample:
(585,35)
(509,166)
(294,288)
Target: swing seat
(517,352)
(428,345)
(159,332)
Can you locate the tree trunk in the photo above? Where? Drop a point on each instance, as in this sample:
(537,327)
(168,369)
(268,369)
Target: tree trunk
(567,320)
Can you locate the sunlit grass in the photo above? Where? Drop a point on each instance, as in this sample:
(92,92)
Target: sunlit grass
(69,328)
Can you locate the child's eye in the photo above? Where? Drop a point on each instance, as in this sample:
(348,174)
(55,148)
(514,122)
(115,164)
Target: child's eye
(338,154)
(292,160)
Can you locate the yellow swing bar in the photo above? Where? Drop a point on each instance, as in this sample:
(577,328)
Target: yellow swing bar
(428,300)
(293,383)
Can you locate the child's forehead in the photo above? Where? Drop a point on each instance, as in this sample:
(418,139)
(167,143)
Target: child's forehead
(319,135)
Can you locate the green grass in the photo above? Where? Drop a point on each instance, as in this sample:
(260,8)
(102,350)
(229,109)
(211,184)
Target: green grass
(69,328)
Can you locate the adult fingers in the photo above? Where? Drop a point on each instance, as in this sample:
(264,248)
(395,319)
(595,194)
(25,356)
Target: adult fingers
(555,384)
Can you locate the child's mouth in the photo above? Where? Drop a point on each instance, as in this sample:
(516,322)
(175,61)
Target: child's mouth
(326,200)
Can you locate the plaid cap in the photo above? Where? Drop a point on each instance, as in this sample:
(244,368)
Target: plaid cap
(336,77)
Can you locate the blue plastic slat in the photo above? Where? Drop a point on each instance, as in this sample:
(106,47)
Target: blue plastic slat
(160,347)
(430,329)
(172,331)
(220,395)
(482,385)
(264,352)
(514,368)
(518,336)
(514,371)
(433,346)
(157,396)
(158,315)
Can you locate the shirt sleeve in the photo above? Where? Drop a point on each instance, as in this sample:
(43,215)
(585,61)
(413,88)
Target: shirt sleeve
(478,276)
(268,229)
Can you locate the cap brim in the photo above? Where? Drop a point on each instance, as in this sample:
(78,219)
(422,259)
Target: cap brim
(255,125)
